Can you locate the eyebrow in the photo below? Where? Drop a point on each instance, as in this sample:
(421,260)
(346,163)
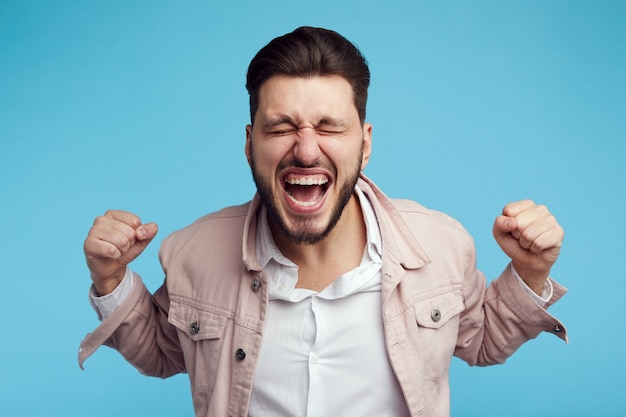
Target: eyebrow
(331,121)
(279,121)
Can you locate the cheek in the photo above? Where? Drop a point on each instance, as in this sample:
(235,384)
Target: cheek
(265,158)
(346,158)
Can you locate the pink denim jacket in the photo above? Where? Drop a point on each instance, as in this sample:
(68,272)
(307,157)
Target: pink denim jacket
(207,319)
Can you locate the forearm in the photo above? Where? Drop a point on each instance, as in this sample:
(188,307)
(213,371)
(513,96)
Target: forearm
(107,304)
(541,297)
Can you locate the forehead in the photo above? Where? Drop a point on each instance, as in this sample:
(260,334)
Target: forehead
(306,97)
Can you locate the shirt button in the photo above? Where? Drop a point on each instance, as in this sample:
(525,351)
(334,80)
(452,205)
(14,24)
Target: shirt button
(256,285)
(315,360)
(240,354)
(194,327)
(316,299)
(435,315)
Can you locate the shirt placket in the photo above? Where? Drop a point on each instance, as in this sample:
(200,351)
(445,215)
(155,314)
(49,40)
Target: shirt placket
(316,359)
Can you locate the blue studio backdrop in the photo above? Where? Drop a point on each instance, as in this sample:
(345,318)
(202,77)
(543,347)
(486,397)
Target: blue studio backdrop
(141,105)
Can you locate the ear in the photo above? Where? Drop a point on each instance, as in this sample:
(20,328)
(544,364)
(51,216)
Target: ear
(367,144)
(248,149)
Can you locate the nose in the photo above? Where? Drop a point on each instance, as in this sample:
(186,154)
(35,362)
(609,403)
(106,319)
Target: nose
(307,148)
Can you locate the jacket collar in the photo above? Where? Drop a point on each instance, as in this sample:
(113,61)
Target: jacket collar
(398,241)
(250,260)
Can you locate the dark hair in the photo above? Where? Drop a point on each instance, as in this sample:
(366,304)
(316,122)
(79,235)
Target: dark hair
(307,52)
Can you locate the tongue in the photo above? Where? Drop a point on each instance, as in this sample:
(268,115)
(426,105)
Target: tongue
(305,193)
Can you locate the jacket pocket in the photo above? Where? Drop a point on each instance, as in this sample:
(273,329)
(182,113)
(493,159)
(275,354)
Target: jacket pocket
(435,311)
(437,319)
(197,323)
(203,333)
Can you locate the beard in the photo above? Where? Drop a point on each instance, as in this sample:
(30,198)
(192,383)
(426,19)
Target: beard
(304,231)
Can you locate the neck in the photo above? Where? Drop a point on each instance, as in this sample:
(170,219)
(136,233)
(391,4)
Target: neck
(321,263)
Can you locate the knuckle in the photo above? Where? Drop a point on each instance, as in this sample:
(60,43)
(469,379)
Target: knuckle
(526,235)
(535,248)
(110,251)
(122,242)
(99,220)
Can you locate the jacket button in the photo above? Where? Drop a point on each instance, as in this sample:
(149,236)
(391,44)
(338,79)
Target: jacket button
(240,354)
(256,285)
(194,327)
(435,315)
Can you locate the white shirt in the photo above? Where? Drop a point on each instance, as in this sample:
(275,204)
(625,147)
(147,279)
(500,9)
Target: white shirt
(323,353)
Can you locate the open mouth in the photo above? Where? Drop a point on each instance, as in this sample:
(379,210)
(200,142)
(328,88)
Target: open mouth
(306,190)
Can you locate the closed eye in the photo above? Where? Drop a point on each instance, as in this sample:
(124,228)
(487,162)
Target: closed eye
(280,132)
(331,126)
(280,127)
(327,132)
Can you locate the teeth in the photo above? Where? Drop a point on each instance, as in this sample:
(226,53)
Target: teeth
(307,181)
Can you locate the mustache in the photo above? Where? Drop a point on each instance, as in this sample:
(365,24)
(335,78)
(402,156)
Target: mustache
(296,163)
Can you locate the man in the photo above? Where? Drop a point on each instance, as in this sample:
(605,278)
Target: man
(321,296)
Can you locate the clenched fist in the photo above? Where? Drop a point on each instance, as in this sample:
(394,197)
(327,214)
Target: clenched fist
(115,240)
(530,235)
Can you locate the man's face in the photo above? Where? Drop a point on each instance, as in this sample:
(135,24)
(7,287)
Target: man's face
(306,149)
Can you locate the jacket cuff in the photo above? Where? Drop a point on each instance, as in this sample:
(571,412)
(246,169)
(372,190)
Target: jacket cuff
(109,325)
(531,314)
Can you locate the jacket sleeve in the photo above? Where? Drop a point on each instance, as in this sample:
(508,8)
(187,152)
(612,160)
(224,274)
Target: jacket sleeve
(499,319)
(139,330)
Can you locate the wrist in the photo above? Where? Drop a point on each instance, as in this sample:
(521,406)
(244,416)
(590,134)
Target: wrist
(105,286)
(535,280)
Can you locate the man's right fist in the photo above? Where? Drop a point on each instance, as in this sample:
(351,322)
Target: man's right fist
(115,240)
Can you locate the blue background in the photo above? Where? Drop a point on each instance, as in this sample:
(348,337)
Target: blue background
(141,106)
